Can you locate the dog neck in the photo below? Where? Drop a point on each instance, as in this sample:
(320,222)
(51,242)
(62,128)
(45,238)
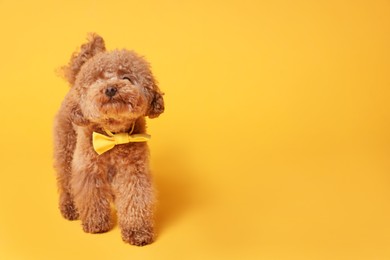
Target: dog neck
(137,126)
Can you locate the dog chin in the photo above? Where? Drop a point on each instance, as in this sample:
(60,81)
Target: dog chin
(113,122)
(116,124)
(119,116)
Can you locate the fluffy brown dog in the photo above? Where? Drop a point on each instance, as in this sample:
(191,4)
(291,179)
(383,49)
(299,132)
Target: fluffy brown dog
(111,91)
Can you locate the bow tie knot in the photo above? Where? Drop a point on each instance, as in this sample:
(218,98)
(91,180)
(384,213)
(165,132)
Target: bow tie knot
(121,138)
(102,143)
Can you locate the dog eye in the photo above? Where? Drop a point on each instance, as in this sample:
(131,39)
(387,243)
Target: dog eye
(127,78)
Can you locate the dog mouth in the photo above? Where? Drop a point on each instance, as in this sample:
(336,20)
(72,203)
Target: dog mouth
(116,106)
(121,104)
(117,101)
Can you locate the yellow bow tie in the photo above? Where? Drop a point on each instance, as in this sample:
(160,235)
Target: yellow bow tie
(102,143)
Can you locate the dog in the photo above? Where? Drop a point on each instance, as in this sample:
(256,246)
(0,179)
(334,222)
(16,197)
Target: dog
(111,94)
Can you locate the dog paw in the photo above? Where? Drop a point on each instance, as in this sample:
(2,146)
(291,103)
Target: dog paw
(140,237)
(69,211)
(96,225)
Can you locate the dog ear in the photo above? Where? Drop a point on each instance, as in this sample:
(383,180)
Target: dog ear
(94,45)
(157,104)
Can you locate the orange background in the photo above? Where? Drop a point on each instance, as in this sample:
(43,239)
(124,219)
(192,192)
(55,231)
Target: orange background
(274,143)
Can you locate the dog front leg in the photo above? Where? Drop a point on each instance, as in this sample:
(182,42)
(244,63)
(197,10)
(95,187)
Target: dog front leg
(92,196)
(66,205)
(66,202)
(64,145)
(134,201)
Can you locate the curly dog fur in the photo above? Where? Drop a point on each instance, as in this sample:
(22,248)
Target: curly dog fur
(88,183)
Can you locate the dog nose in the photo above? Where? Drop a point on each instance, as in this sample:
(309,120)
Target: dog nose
(111,91)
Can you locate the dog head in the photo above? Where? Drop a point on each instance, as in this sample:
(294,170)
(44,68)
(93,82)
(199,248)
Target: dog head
(111,88)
